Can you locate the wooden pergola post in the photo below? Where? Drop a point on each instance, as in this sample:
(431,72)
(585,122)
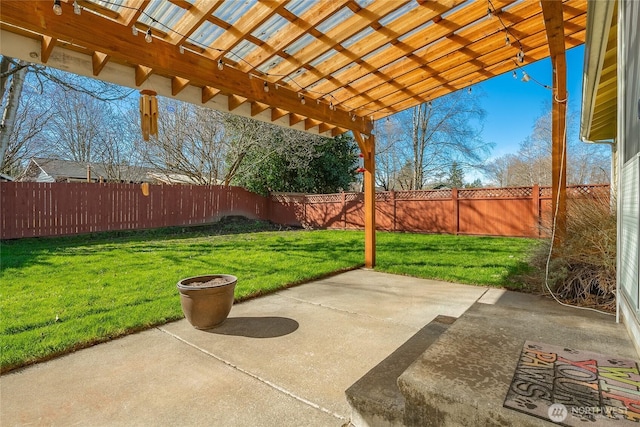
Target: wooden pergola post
(559,147)
(554,25)
(368,148)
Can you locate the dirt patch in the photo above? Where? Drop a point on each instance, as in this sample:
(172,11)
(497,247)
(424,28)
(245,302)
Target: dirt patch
(218,281)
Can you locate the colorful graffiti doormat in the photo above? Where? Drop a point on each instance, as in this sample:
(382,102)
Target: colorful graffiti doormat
(575,388)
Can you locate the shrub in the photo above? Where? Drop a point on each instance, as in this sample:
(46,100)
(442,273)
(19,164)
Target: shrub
(582,270)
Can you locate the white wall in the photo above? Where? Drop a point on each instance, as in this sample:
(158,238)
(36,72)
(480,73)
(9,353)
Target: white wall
(628,262)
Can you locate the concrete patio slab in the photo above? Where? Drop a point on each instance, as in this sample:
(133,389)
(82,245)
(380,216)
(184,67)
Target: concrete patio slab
(146,379)
(283,359)
(401,299)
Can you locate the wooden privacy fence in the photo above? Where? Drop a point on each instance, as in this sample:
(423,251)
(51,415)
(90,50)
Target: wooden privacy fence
(49,209)
(31,209)
(514,211)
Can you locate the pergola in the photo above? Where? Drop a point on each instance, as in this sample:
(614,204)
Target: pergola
(321,66)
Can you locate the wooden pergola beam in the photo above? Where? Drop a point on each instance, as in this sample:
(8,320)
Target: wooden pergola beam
(88,30)
(554,26)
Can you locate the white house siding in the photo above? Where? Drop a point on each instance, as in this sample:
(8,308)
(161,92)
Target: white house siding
(629,185)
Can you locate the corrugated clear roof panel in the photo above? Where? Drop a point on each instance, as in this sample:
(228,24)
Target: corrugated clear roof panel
(232,10)
(343,69)
(274,61)
(398,13)
(206,34)
(324,57)
(270,27)
(396,62)
(457,8)
(364,3)
(326,26)
(239,52)
(412,32)
(298,7)
(301,43)
(377,51)
(357,37)
(162,15)
(115,5)
(291,78)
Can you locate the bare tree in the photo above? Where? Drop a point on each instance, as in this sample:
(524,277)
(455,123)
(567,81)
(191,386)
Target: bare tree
(18,137)
(191,141)
(26,138)
(390,154)
(586,163)
(436,134)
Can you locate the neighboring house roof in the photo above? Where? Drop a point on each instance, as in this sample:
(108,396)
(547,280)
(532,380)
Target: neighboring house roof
(5,178)
(56,170)
(173,178)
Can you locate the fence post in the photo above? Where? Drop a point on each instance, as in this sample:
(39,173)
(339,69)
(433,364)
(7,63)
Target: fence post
(535,195)
(456,211)
(343,199)
(393,210)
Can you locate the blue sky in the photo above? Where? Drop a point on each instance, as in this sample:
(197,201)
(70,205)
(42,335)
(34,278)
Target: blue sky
(513,106)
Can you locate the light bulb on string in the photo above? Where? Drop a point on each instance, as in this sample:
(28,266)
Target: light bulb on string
(353,117)
(489,13)
(266,87)
(220,64)
(507,40)
(148,37)
(302,100)
(515,75)
(181,49)
(57,8)
(525,76)
(134,30)
(520,56)
(76,8)
(331,106)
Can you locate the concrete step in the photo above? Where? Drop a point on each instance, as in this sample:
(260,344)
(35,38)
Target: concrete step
(463,378)
(375,399)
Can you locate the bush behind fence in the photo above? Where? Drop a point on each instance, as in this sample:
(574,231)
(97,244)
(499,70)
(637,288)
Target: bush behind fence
(50,209)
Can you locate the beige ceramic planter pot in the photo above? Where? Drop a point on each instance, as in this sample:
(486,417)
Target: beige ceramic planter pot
(206,300)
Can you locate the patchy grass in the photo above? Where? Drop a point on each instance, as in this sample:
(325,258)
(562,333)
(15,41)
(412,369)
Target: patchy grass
(61,294)
(490,261)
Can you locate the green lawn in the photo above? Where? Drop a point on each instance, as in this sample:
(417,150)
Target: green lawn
(60,294)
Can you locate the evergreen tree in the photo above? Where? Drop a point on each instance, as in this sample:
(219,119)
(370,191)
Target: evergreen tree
(456,176)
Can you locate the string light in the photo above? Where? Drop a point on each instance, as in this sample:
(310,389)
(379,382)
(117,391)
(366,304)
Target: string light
(331,106)
(353,117)
(181,49)
(266,87)
(134,30)
(525,76)
(220,64)
(515,75)
(302,100)
(148,37)
(490,13)
(76,7)
(57,8)
(507,41)
(520,56)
